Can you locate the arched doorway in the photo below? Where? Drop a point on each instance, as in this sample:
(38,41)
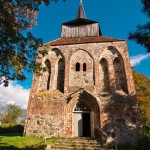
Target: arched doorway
(82,120)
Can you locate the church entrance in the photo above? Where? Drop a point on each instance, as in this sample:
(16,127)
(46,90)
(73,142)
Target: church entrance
(86,125)
(82,120)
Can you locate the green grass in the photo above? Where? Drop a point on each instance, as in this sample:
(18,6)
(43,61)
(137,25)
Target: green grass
(24,143)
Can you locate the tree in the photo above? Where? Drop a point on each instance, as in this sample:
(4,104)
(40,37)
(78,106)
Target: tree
(12,114)
(18,47)
(1,116)
(142,33)
(142,86)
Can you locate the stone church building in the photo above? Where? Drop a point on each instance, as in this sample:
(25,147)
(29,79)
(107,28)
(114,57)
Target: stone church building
(87,89)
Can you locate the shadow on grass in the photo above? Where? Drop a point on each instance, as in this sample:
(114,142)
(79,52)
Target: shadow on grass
(11,134)
(10,147)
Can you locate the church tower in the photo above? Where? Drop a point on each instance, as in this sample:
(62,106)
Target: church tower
(87,87)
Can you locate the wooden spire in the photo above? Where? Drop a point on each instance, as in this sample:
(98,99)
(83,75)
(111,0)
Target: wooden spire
(81,12)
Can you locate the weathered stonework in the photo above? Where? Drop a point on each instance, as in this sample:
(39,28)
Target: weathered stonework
(95,71)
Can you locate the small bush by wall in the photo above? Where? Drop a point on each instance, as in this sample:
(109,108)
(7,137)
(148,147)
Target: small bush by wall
(11,129)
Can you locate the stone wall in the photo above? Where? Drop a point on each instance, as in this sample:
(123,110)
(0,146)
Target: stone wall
(46,115)
(120,118)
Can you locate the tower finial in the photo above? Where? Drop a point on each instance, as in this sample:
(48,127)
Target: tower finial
(81,12)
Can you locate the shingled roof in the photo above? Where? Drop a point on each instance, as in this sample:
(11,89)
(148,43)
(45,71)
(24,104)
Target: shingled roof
(79,21)
(81,40)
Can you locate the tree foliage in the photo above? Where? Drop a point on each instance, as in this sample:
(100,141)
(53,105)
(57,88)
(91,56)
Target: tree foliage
(142,33)
(18,47)
(142,86)
(12,114)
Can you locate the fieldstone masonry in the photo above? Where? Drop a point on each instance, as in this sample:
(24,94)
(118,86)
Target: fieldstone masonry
(95,70)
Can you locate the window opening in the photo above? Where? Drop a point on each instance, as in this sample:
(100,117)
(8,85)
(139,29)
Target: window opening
(48,65)
(77,66)
(84,67)
(105,73)
(82,106)
(60,77)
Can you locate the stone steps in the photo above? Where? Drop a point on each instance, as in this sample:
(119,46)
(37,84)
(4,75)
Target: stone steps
(77,144)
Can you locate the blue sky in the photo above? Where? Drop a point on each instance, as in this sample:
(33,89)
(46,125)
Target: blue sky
(116,18)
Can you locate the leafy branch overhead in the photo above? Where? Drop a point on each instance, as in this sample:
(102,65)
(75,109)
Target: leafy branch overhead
(142,33)
(18,47)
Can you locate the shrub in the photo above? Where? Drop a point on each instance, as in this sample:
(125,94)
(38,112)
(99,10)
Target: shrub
(11,129)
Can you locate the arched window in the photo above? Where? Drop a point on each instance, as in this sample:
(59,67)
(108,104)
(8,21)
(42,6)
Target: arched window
(77,66)
(84,67)
(48,65)
(61,76)
(118,74)
(82,106)
(105,74)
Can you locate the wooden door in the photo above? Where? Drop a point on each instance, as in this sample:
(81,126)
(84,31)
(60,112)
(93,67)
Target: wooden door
(77,125)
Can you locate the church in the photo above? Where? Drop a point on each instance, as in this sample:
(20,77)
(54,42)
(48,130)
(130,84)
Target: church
(87,89)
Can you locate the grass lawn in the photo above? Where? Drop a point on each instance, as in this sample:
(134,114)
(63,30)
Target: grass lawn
(23,143)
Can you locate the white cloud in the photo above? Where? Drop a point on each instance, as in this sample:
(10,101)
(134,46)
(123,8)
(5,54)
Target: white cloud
(14,93)
(135,60)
